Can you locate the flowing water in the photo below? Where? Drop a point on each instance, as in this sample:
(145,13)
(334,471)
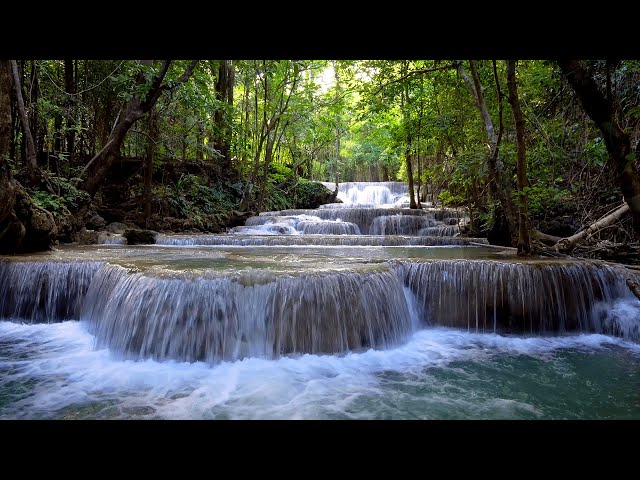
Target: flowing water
(357,311)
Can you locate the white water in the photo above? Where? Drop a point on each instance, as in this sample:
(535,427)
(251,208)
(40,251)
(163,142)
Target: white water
(68,378)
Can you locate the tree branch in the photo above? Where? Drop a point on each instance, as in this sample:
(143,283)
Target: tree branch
(414,72)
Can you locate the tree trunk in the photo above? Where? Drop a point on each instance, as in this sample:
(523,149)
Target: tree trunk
(407,158)
(338,121)
(499,184)
(524,242)
(57,134)
(569,243)
(32,164)
(135,110)
(23,226)
(617,141)
(224,93)
(7,185)
(33,100)
(199,140)
(148,164)
(405,100)
(69,87)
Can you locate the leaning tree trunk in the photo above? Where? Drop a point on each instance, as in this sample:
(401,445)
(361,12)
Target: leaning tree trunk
(617,141)
(100,166)
(23,226)
(524,242)
(32,163)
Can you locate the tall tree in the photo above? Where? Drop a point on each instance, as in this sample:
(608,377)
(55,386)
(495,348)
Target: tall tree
(225,82)
(10,229)
(500,183)
(524,242)
(617,141)
(32,163)
(70,90)
(23,225)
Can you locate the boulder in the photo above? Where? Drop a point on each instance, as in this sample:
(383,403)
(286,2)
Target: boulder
(96,222)
(140,237)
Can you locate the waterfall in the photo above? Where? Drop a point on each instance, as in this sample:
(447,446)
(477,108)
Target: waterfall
(245,240)
(532,298)
(362,217)
(399,224)
(44,291)
(329,227)
(440,231)
(213,319)
(212,316)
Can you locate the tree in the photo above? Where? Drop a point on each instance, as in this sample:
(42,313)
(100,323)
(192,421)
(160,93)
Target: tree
(23,225)
(99,167)
(32,163)
(617,141)
(500,183)
(524,242)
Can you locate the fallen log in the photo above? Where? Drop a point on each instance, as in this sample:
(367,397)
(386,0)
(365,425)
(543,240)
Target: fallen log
(569,243)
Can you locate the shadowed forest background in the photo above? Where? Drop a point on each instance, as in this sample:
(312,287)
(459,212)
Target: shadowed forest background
(536,150)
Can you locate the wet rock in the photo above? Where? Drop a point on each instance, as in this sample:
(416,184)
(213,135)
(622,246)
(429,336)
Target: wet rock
(140,237)
(96,222)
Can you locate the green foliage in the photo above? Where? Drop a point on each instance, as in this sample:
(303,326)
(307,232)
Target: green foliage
(48,201)
(194,198)
(449,200)
(595,152)
(279,174)
(307,191)
(68,196)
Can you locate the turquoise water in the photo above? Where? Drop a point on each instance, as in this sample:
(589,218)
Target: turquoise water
(54,372)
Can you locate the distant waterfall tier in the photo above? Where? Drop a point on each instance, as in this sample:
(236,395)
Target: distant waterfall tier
(245,240)
(362,217)
(440,231)
(375,193)
(329,227)
(187,314)
(399,224)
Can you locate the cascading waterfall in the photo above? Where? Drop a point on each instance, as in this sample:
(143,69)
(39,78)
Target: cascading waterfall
(213,319)
(399,224)
(265,229)
(188,317)
(439,231)
(377,193)
(362,217)
(325,240)
(289,316)
(44,291)
(329,227)
(518,297)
